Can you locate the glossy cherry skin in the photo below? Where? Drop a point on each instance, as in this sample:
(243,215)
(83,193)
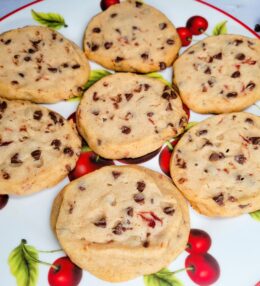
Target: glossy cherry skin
(199,241)
(197,25)
(104,4)
(88,162)
(205,269)
(185,36)
(3,201)
(67,274)
(165,157)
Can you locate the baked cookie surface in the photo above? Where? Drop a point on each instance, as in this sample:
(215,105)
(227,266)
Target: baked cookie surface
(220,74)
(132,37)
(38,147)
(216,165)
(115,221)
(127,116)
(40,65)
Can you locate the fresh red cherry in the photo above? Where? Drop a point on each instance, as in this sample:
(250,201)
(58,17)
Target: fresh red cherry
(88,162)
(66,274)
(141,159)
(3,201)
(185,36)
(199,241)
(197,25)
(203,269)
(165,157)
(258,283)
(104,4)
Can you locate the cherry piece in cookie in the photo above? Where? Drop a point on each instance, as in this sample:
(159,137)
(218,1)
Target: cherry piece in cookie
(3,201)
(66,274)
(104,4)
(203,270)
(197,25)
(199,241)
(185,36)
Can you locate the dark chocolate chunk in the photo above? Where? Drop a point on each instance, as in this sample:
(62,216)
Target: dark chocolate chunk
(54,70)
(250,85)
(6,176)
(139,198)
(3,106)
(140,186)
(101,223)
(218,56)
(31,51)
(170,42)
(119,59)
(14,82)
(146,86)
(231,94)
(138,4)
(169,107)
(21,74)
(108,45)
(237,42)
(235,74)
(169,210)
(94,47)
(7,42)
(27,58)
(162,65)
(219,199)
(37,115)
(130,211)
(150,114)
(6,143)
(146,244)
(144,56)
(118,229)
(116,174)
(201,132)
(254,140)
(76,66)
(240,57)
(125,129)
(207,70)
(96,30)
(216,156)
(183,121)
(53,117)
(241,159)
(36,154)
(68,151)
(113,15)
(15,159)
(95,97)
(162,26)
(250,121)
(128,96)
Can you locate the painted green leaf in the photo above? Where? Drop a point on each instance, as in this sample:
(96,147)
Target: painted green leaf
(51,20)
(220,29)
(255,215)
(190,125)
(95,75)
(158,76)
(23,264)
(162,278)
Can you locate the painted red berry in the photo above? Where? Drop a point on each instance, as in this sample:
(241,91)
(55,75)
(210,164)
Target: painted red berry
(3,201)
(258,283)
(165,157)
(66,274)
(185,36)
(104,4)
(199,241)
(197,25)
(203,269)
(141,159)
(88,162)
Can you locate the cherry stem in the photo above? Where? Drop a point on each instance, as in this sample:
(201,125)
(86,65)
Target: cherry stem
(190,268)
(169,145)
(49,251)
(25,251)
(85,149)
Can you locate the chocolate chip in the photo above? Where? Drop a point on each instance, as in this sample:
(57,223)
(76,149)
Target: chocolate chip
(146,86)
(31,51)
(239,178)
(139,198)
(54,36)
(191,52)
(216,156)
(170,42)
(21,74)
(96,30)
(243,206)
(6,176)
(250,85)
(108,45)
(14,82)
(150,114)
(118,229)
(68,151)
(54,70)
(162,65)
(96,113)
(3,106)
(101,223)
(254,140)
(241,159)
(219,199)
(237,42)
(95,97)
(125,129)
(76,66)
(138,4)
(118,59)
(65,65)
(169,210)
(201,132)
(211,83)
(37,115)
(53,117)
(116,174)
(56,143)
(207,70)
(27,59)
(207,143)
(235,74)
(250,121)
(180,163)
(232,199)
(169,107)
(113,15)
(218,56)
(146,244)
(231,94)
(210,60)
(144,56)
(240,57)
(118,31)
(140,186)
(94,47)
(16,56)
(99,142)
(15,159)
(162,26)
(183,121)
(130,211)
(36,154)
(128,96)
(6,143)
(7,42)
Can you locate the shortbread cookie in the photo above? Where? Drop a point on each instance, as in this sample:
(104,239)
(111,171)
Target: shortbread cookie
(132,37)
(219,74)
(128,116)
(40,65)
(116,222)
(38,147)
(216,165)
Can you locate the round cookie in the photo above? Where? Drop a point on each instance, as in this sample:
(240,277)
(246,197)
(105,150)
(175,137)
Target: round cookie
(216,165)
(113,222)
(38,147)
(132,37)
(220,74)
(127,116)
(40,65)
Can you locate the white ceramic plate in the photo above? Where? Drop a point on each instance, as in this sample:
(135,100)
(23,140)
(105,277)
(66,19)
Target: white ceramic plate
(235,241)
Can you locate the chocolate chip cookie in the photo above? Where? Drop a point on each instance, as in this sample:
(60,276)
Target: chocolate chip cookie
(115,222)
(216,165)
(127,115)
